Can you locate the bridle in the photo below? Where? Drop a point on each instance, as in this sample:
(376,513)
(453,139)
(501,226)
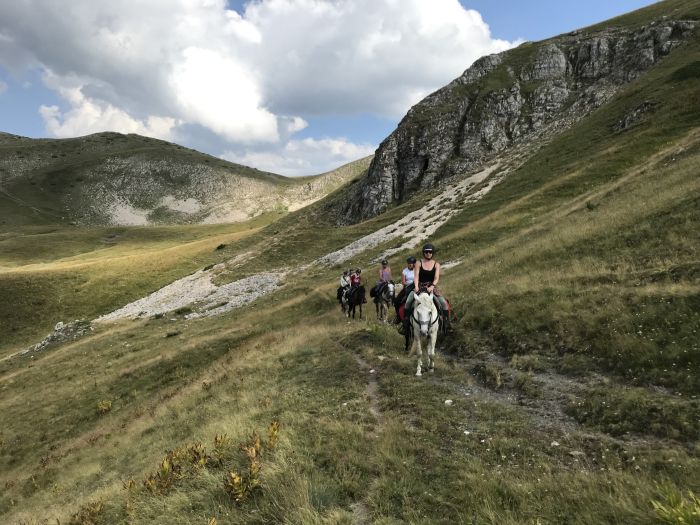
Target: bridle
(430,322)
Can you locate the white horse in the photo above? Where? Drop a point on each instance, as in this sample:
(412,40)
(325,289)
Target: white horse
(384,300)
(425,324)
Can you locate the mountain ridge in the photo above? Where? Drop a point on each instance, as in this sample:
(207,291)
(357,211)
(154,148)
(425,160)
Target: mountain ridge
(114,179)
(517,98)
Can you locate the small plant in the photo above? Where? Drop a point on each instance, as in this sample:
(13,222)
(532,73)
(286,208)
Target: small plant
(240,485)
(129,484)
(87,514)
(221,441)
(197,455)
(526,362)
(235,486)
(165,477)
(222,444)
(184,310)
(104,406)
(273,434)
(527,385)
(490,374)
(676,509)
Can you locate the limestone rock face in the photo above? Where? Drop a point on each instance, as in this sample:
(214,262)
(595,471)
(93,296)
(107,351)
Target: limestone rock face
(512,98)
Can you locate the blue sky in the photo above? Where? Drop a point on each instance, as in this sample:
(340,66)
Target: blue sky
(293,119)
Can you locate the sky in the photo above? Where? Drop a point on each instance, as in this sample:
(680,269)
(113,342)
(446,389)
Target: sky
(296,87)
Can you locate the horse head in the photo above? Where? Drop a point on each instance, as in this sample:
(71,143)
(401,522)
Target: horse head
(390,289)
(425,313)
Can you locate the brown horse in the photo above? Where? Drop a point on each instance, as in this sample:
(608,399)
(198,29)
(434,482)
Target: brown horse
(354,298)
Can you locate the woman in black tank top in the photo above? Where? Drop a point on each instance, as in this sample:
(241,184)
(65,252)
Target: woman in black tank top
(428,278)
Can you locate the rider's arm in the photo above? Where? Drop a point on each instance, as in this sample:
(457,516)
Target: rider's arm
(416,277)
(437,275)
(403,278)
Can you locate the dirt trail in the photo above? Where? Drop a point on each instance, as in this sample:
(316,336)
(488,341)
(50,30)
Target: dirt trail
(372,392)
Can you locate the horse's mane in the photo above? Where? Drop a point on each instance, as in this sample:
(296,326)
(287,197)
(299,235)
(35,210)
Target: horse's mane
(425,299)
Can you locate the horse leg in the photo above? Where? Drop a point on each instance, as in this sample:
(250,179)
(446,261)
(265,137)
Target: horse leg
(419,351)
(431,350)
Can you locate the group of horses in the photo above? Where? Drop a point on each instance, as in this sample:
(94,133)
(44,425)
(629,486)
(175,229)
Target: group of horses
(424,324)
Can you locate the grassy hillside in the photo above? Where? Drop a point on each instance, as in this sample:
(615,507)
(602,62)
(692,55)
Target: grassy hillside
(115,179)
(59,273)
(573,369)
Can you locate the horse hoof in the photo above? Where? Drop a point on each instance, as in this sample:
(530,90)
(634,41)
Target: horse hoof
(418,374)
(431,370)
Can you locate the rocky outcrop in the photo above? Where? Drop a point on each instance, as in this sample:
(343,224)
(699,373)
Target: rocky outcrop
(505,100)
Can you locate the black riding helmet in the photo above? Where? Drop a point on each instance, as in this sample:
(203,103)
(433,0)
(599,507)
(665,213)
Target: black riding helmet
(384,261)
(428,248)
(411,260)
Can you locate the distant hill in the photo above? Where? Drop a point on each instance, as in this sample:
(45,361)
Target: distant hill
(115,179)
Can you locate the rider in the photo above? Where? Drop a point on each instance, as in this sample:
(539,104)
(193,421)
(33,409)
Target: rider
(407,280)
(384,277)
(356,281)
(408,273)
(344,285)
(427,276)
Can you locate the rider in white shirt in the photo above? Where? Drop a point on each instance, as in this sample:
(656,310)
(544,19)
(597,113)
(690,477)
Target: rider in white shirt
(408,274)
(344,286)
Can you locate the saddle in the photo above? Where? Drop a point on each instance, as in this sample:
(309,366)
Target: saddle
(377,290)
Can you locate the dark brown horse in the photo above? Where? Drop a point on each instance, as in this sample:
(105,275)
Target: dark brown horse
(354,298)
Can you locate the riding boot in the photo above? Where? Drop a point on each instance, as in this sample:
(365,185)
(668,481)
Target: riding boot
(405,326)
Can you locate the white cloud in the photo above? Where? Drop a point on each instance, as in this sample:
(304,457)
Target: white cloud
(3,87)
(90,117)
(251,78)
(363,56)
(303,157)
(221,94)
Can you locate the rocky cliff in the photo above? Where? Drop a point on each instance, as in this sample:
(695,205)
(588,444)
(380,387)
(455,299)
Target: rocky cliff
(515,98)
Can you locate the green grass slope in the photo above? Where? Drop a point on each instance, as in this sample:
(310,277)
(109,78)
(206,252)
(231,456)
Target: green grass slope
(573,369)
(115,179)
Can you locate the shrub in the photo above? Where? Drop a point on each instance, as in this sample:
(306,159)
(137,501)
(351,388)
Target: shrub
(526,362)
(88,514)
(104,406)
(490,374)
(527,385)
